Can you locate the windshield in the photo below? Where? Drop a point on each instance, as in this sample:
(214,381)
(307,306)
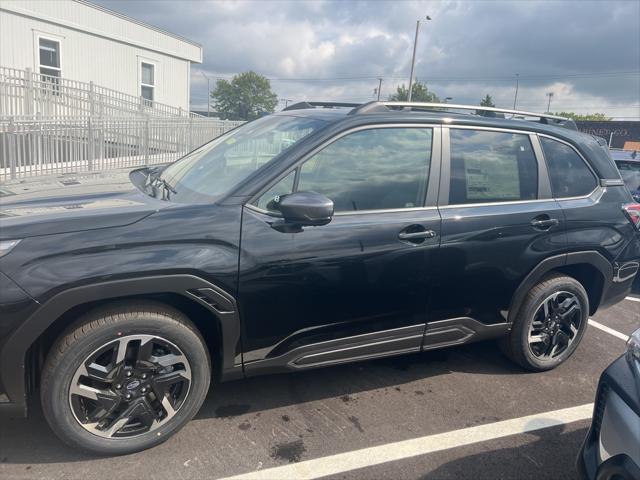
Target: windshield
(630,172)
(215,168)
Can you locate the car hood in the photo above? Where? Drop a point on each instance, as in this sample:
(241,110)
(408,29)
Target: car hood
(68,205)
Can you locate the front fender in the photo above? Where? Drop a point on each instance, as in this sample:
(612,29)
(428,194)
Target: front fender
(213,298)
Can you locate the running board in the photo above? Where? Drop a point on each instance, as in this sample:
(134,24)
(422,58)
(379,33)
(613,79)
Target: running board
(397,341)
(349,349)
(456,331)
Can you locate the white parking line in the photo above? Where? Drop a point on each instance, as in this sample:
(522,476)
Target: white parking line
(611,331)
(367,457)
(633,299)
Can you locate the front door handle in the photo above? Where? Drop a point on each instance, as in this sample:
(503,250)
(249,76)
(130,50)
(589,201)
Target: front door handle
(544,223)
(416,235)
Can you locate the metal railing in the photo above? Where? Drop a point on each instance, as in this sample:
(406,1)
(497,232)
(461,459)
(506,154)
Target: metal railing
(24,92)
(56,145)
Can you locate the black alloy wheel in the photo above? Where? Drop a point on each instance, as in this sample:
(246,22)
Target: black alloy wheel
(130,386)
(555,325)
(549,324)
(125,377)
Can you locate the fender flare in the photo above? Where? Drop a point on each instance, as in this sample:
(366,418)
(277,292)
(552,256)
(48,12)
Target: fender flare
(220,303)
(590,257)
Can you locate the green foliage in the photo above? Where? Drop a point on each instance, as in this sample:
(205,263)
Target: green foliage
(487,101)
(245,97)
(419,93)
(588,116)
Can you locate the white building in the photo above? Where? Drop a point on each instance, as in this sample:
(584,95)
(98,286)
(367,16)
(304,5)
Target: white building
(76,40)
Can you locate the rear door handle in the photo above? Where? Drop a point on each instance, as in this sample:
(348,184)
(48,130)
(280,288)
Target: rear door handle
(416,235)
(544,224)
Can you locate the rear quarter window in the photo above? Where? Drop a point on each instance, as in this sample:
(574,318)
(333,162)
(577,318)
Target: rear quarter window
(570,175)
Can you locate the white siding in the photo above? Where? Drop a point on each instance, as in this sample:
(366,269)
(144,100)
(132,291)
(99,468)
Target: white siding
(98,46)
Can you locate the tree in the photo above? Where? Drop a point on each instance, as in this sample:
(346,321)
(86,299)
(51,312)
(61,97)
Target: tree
(487,101)
(588,116)
(419,93)
(245,97)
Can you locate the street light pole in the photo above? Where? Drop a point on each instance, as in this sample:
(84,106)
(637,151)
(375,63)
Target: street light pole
(208,93)
(515,97)
(379,86)
(550,95)
(413,57)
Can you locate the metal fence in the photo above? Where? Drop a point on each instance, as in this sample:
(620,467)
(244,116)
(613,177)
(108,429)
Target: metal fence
(54,145)
(24,92)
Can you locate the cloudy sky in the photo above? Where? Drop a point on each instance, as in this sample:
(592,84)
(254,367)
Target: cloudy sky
(586,52)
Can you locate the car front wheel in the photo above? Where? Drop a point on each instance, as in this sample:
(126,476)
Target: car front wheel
(125,378)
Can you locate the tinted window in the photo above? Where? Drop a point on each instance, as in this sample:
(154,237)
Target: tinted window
(381,168)
(570,176)
(211,170)
(630,172)
(491,167)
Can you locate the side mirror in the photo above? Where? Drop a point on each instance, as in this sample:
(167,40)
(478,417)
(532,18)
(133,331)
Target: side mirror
(306,209)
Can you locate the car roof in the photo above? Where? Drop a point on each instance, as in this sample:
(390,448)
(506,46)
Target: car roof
(336,114)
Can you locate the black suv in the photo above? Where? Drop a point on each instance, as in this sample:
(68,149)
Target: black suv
(315,236)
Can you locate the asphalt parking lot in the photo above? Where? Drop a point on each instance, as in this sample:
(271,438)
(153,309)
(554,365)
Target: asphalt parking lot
(448,414)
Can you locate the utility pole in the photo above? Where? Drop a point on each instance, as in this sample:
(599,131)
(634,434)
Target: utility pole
(413,57)
(550,95)
(379,87)
(208,93)
(515,97)
(286,101)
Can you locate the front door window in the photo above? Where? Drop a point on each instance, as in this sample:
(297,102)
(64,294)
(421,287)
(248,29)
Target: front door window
(373,169)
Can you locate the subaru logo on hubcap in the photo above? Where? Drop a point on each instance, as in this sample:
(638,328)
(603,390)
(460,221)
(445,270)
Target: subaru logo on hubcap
(132,385)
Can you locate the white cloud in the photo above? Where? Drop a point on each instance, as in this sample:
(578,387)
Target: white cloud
(470,48)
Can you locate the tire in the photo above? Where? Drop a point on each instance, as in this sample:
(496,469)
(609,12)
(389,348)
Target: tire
(531,356)
(166,371)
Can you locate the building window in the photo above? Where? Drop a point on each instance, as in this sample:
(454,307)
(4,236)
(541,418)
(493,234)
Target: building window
(489,167)
(147,82)
(49,57)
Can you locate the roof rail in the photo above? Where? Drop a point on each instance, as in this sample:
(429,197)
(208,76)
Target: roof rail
(301,105)
(371,107)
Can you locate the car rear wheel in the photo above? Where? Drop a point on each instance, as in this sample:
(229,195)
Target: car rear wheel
(549,325)
(125,378)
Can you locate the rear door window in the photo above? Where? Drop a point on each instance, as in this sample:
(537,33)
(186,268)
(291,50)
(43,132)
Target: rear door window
(489,167)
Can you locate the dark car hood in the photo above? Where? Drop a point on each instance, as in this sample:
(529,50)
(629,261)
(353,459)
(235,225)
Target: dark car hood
(61,207)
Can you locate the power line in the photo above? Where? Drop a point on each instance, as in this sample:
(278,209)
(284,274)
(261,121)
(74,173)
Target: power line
(556,75)
(461,77)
